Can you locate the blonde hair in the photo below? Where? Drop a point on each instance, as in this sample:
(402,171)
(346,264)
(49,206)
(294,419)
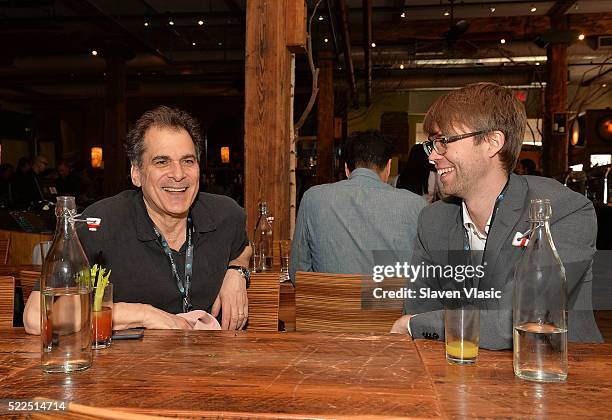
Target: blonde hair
(481,106)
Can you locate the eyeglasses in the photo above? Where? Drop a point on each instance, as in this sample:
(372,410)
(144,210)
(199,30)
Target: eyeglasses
(438,143)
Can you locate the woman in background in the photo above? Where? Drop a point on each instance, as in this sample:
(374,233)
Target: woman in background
(418,175)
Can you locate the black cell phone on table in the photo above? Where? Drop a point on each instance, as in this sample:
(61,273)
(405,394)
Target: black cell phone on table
(129,334)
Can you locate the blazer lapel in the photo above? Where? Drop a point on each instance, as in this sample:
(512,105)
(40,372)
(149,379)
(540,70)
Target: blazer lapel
(501,232)
(458,255)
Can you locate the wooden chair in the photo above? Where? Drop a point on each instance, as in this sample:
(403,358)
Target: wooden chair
(27,279)
(21,245)
(7,301)
(4,250)
(332,303)
(263,302)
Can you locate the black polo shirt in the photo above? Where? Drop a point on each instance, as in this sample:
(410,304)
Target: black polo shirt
(141,273)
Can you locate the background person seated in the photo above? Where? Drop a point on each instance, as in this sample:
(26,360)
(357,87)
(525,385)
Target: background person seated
(339,225)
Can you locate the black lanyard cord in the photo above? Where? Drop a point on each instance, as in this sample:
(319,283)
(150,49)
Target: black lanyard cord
(183,285)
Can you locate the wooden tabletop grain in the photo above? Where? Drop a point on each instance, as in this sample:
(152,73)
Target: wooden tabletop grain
(301,375)
(490,389)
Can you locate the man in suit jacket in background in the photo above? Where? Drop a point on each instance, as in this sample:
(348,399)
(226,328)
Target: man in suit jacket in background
(475,139)
(340,225)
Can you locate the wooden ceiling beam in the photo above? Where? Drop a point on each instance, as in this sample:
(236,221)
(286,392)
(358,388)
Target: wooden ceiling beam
(517,27)
(560,8)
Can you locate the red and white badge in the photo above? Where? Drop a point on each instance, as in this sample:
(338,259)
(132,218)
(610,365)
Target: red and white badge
(521,239)
(93,223)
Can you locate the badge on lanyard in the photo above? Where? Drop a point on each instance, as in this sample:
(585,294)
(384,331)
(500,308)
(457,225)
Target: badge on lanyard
(521,239)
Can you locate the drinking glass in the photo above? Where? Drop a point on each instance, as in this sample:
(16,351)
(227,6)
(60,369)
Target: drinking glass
(40,252)
(102,316)
(462,335)
(285,253)
(256,260)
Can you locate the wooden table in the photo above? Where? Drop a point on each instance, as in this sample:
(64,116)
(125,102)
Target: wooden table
(295,375)
(490,389)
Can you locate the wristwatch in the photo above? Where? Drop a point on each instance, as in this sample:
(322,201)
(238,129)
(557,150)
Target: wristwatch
(244,272)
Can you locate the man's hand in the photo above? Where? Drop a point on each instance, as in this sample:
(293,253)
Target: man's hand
(401,325)
(130,315)
(233,301)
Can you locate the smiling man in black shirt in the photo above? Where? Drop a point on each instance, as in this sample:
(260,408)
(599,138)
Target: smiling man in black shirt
(171,249)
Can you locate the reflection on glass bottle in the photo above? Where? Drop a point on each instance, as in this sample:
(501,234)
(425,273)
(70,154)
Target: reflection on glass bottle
(540,304)
(262,239)
(65,298)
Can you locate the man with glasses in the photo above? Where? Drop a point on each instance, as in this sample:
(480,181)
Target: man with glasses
(475,137)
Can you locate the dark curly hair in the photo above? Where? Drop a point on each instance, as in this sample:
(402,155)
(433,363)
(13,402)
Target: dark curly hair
(367,149)
(161,117)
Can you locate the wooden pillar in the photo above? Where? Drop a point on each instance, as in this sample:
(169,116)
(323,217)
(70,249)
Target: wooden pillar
(367,52)
(325,119)
(555,140)
(267,112)
(115,106)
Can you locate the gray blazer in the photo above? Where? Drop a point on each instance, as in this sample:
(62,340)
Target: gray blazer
(441,235)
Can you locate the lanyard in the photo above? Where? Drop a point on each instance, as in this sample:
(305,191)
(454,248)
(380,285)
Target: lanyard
(183,286)
(466,243)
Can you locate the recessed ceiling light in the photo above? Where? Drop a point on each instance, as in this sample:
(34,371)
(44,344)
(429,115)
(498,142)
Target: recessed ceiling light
(220,43)
(171,22)
(537,63)
(402,66)
(503,41)
(492,9)
(326,40)
(533,9)
(373,44)
(581,37)
(94,52)
(193,43)
(446,13)
(320,17)
(200,22)
(146,24)
(403,15)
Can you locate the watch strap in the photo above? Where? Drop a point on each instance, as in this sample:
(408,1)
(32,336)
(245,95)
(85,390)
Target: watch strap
(244,272)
